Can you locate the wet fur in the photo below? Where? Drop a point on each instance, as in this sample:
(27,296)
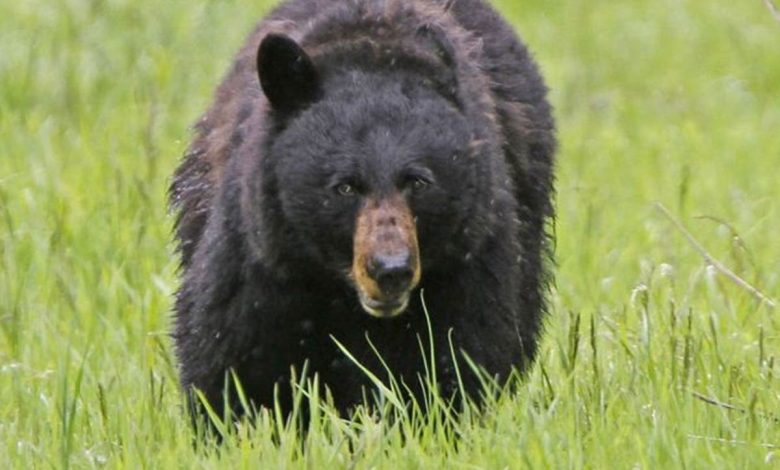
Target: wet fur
(257,298)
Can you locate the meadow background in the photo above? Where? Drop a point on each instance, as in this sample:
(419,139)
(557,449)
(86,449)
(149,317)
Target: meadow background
(652,358)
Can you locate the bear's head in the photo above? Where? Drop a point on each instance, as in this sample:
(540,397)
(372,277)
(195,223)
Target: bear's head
(371,167)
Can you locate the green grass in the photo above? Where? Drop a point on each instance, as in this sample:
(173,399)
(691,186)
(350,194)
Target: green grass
(675,101)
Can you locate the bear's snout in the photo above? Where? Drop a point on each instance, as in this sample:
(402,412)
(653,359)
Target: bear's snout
(393,273)
(386,258)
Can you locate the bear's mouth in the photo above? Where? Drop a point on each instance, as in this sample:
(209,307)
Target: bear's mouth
(384,308)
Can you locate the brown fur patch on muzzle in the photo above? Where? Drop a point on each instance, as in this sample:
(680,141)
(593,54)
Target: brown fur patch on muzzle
(386,256)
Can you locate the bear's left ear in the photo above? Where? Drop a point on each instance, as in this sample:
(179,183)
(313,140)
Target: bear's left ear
(437,38)
(287,74)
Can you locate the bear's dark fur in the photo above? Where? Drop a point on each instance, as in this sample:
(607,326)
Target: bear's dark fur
(387,147)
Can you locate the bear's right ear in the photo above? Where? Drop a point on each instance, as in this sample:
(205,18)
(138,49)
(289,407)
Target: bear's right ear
(287,74)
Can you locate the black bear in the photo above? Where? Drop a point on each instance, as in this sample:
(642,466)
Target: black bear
(362,161)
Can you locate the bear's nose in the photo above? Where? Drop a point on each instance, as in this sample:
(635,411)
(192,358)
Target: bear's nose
(392,273)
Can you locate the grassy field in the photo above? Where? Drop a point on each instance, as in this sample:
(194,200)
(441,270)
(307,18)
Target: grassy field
(652,358)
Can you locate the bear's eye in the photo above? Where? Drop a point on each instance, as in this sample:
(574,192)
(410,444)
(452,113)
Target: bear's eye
(419,184)
(345,189)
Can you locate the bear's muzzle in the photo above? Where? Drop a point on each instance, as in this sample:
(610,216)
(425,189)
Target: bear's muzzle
(386,257)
